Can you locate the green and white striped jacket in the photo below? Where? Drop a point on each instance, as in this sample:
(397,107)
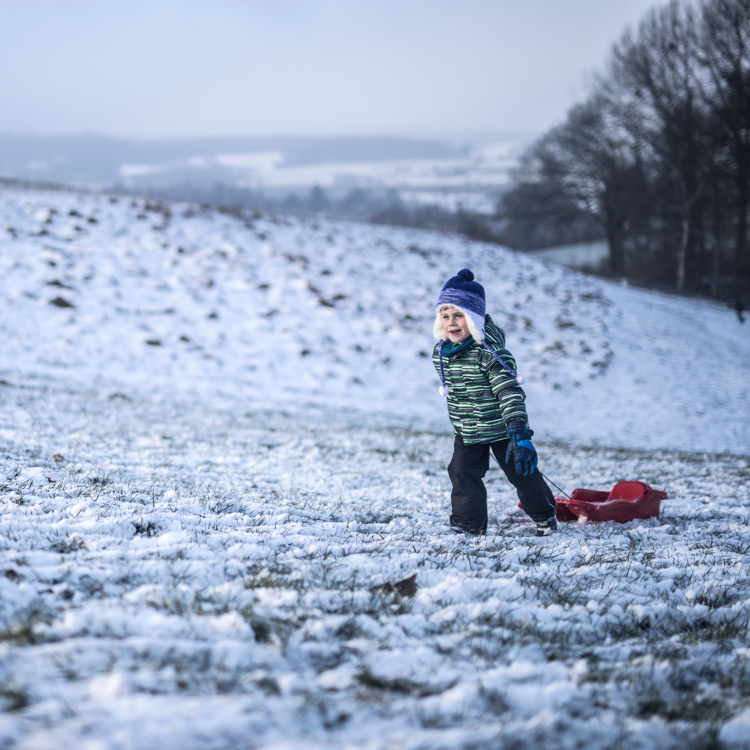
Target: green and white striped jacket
(483,397)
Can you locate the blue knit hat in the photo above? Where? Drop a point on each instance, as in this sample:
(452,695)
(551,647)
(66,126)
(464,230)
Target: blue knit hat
(467,295)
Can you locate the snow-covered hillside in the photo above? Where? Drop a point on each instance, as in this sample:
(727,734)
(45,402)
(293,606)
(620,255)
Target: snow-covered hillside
(223,497)
(293,311)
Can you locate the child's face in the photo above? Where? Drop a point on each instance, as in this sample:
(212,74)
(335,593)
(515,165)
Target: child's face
(454,324)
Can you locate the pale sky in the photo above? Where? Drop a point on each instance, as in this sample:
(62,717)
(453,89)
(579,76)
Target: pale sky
(168,68)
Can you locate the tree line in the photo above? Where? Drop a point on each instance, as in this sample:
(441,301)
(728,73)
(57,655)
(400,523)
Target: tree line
(374,205)
(656,159)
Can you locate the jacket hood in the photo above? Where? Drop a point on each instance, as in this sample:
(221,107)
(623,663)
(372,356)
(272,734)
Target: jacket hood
(492,334)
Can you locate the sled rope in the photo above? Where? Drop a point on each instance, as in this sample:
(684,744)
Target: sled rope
(556,486)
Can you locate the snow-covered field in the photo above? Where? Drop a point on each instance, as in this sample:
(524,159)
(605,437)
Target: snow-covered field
(471,181)
(218,463)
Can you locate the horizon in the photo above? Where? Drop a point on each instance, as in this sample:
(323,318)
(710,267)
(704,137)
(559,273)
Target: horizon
(440,137)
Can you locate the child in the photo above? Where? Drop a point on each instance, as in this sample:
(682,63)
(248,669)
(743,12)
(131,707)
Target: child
(487,410)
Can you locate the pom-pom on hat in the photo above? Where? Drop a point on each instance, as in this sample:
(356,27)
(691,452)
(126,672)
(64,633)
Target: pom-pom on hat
(466,295)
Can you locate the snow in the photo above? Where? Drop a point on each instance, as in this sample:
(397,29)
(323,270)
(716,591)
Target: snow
(195,535)
(340,314)
(736,733)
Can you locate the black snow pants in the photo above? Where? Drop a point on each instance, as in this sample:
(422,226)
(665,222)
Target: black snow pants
(469,496)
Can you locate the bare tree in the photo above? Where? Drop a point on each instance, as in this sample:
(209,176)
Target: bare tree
(658,69)
(724,83)
(659,153)
(582,168)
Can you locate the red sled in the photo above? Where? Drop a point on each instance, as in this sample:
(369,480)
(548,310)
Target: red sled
(627,501)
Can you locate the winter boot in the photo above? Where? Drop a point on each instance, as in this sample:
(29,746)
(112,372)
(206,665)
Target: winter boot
(545,528)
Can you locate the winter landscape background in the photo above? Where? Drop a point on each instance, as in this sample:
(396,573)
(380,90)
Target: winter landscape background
(223,447)
(354,177)
(223,486)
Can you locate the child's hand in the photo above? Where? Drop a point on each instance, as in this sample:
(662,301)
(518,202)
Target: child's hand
(521,450)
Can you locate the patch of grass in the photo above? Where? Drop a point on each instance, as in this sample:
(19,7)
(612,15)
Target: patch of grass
(145,528)
(21,631)
(392,603)
(13,698)
(66,545)
(366,678)
(683,706)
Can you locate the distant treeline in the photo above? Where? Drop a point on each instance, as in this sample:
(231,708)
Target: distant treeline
(657,159)
(358,203)
(378,206)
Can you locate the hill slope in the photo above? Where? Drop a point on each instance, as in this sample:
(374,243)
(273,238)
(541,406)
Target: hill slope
(301,311)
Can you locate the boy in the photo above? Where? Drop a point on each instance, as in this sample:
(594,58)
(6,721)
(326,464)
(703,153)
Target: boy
(487,409)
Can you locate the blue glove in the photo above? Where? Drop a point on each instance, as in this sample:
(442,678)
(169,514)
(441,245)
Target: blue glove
(521,449)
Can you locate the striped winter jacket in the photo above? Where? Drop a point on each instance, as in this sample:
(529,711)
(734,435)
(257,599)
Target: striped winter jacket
(483,397)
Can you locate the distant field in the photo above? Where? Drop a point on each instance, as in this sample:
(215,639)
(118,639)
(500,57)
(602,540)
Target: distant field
(450,172)
(586,256)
